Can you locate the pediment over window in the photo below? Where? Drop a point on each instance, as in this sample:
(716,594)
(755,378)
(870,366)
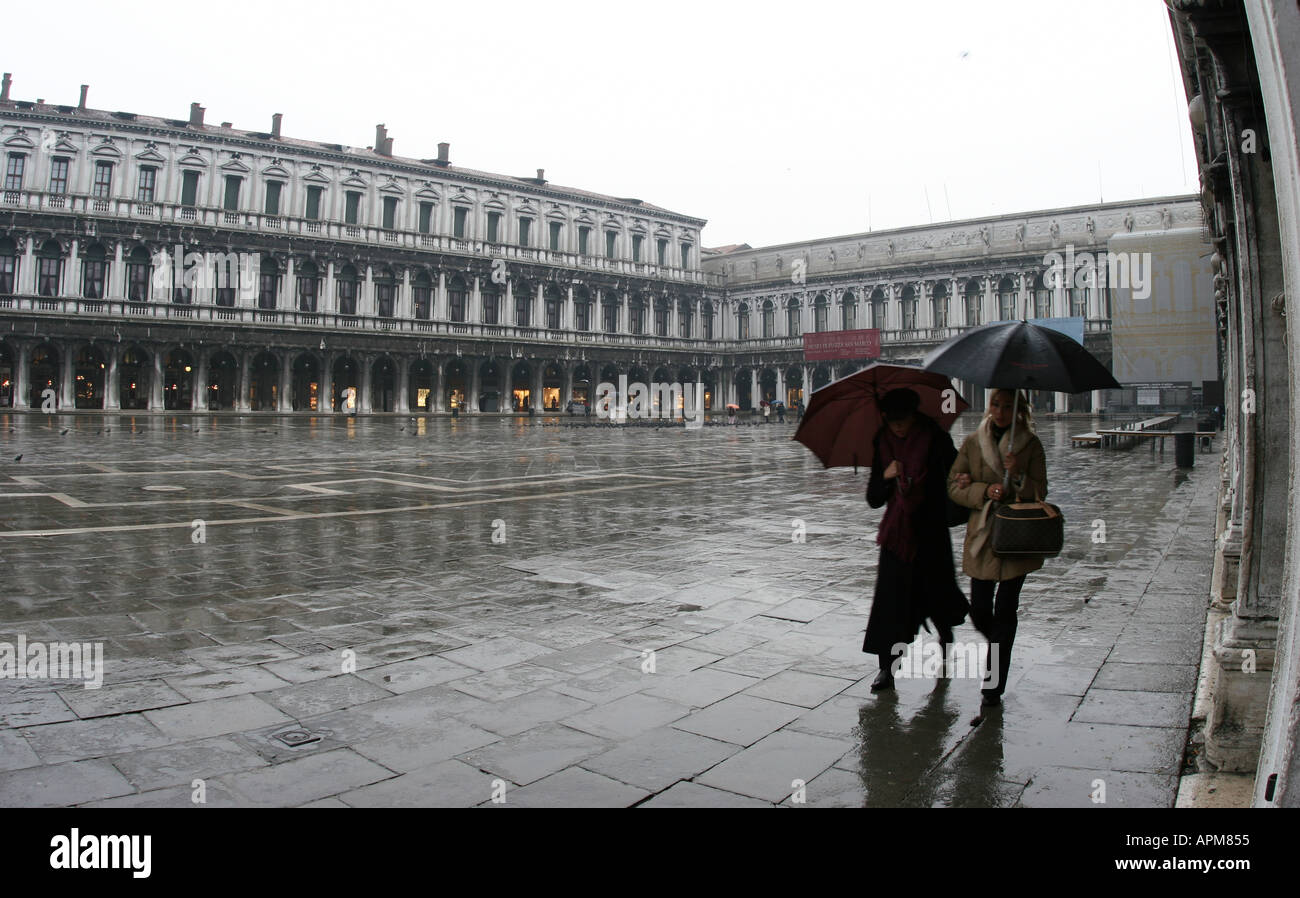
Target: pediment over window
(316,176)
(20,141)
(150,154)
(64,144)
(107,150)
(583,220)
(495,206)
(234,166)
(527,209)
(275,170)
(428,193)
(392,188)
(460,197)
(355,180)
(193,157)
(664,232)
(555,215)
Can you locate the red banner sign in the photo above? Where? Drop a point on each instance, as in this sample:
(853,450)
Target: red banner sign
(835,345)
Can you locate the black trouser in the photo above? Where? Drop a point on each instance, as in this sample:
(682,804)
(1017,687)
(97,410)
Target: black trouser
(995,618)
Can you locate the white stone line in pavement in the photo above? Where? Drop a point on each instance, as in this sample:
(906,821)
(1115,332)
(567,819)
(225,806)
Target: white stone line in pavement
(124,528)
(58,497)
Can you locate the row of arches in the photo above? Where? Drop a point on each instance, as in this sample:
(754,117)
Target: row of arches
(191,276)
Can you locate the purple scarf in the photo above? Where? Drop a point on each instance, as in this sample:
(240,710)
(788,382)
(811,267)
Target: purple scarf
(898,528)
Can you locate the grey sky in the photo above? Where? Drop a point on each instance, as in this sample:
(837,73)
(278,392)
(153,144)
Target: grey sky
(777,122)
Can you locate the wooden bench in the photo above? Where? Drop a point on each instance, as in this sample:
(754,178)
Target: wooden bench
(1116,435)
(1089,439)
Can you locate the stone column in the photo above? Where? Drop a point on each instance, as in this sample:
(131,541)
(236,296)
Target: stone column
(535,388)
(199,389)
(243,385)
(475,383)
(366,301)
(440,299)
(753,388)
(403,405)
(438,401)
(155,388)
(991,311)
(364,383)
(72,279)
(325,391)
(284,395)
(329,303)
(113,378)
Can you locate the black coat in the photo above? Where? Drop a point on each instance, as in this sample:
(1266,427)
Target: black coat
(908,593)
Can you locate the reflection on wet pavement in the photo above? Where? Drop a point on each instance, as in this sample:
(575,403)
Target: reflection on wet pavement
(461,610)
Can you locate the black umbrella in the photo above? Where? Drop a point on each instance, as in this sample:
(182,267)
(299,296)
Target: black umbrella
(1017,355)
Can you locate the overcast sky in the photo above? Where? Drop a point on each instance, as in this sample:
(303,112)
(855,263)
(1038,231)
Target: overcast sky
(776,122)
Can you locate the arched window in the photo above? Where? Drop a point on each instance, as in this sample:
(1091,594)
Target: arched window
(848,311)
(49,265)
(345,288)
(821,314)
(1042,298)
(553,308)
(581,309)
(706,320)
(456,299)
(308,286)
(686,319)
(636,314)
(138,269)
(911,304)
(742,321)
(661,317)
(523,304)
(94,272)
(421,294)
(385,293)
(878,309)
(491,305)
(1007,300)
(609,312)
(769,319)
(268,283)
(973,303)
(939,306)
(8,266)
(792,318)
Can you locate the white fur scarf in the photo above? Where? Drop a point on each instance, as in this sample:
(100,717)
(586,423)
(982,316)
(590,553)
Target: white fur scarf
(993,458)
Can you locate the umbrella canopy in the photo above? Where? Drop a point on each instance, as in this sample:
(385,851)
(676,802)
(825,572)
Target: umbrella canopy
(733,405)
(1017,355)
(842,417)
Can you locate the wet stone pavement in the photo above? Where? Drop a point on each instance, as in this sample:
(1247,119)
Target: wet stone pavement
(453,611)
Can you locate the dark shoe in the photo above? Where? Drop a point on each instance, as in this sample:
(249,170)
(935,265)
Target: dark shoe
(884,680)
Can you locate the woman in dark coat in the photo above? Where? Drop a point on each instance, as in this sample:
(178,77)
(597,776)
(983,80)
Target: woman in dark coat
(916,579)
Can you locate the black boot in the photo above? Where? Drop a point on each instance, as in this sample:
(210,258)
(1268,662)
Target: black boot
(885,678)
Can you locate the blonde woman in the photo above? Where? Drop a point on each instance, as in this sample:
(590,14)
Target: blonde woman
(976,482)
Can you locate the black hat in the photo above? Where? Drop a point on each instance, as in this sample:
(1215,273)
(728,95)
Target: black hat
(899,404)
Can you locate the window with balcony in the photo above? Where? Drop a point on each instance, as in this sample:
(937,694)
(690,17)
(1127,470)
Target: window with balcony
(58,176)
(8,267)
(939,309)
(425,225)
(102,187)
(742,322)
(582,314)
(792,319)
(94,273)
(146,189)
(661,319)
(849,313)
(49,265)
(308,287)
(273,191)
(973,303)
(385,293)
(584,240)
(422,297)
(312,212)
(390,213)
(611,238)
(821,316)
(14,168)
(1007,300)
(456,299)
(459,218)
(138,267)
(494,227)
(268,280)
(491,306)
(706,320)
(686,255)
(637,240)
(636,316)
(555,227)
(523,302)
(525,231)
(609,309)
(553,305)
(663,252)
(1042,299)
(352,207)
(189,188)
(230,200)
(1078,302)
(769,320)
(346,289)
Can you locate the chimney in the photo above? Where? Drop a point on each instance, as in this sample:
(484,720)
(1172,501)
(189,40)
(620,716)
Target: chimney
(383,143)
(4,88)
(275,125)
(196,115)
(227,124)
(443,150)
(85,89)
(541,175)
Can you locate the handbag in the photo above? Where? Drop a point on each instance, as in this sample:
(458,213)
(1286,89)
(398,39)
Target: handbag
(1028,529)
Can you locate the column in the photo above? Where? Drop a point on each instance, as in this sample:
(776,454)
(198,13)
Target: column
(364,383)
(325,392)
(475,384)
(566,385)
(366,301)
(990,301)
(329,303)
(199,399)
(155,403)
(956,304)
(67,385)
(404,310)
(242,386)
(624,325)
(117,275)
(284,290)
(924,309)
(753,388)
(284,395)
(1023,300)
(538,318)
(780,384)
(505,314)
(475,313)
(72,277)
(403,405)
(113,378)
(569,321)
(439,402)
(535,389)
(27,269)
(440,300)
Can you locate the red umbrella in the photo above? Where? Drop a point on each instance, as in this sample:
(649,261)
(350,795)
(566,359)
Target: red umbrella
(842,418)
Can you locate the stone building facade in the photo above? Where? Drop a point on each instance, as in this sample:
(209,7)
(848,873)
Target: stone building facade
(1241,69)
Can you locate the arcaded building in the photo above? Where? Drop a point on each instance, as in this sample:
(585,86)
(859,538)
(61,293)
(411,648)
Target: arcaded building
(162,264)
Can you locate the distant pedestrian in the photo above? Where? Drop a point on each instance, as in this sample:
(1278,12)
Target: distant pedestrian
(976,481)
(767,413)
(780,413)
(798,410)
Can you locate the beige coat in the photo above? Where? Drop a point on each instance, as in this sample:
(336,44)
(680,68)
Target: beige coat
(983,462)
